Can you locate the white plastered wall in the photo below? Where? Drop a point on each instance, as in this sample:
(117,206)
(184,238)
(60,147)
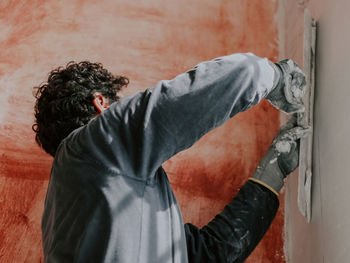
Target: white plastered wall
(327,238)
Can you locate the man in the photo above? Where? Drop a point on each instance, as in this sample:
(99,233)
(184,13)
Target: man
(109,200)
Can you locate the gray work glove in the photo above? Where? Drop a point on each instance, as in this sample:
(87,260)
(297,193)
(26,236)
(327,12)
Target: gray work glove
(290,87)
(282,157)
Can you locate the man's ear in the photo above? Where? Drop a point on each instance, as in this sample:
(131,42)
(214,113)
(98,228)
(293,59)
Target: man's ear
(100,102)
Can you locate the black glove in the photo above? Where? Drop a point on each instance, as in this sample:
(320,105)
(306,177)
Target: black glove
(290,88)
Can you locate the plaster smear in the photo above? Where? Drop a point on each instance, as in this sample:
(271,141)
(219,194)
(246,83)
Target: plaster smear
(273,160)
(283,147)
(298,92)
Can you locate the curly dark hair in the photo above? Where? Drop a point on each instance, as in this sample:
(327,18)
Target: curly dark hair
(64,102)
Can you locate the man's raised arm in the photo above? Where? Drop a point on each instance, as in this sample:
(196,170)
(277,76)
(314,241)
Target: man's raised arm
(147,129)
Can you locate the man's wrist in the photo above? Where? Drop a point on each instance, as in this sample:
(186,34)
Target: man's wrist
(263,184)
(270,175)
(277,75)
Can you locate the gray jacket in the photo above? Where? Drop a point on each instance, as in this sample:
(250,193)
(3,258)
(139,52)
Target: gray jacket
(109,200)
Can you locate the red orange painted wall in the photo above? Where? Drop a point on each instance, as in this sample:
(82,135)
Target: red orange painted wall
(147,41)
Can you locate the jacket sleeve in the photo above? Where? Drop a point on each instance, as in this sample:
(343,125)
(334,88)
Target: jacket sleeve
(233,234)
(144,130)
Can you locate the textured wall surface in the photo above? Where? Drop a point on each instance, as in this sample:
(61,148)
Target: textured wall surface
(147,41)
(327,238)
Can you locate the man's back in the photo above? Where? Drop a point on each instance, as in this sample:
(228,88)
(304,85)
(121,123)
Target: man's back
(96,212)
